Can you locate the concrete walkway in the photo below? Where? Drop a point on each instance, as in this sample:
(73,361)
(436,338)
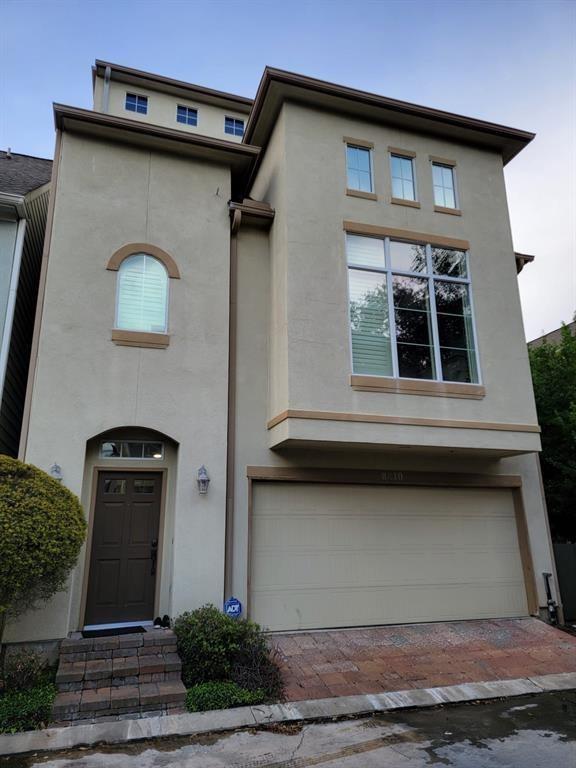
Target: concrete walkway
(319,665)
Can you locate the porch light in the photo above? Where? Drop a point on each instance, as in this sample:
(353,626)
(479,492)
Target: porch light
(56,472)
(203,480)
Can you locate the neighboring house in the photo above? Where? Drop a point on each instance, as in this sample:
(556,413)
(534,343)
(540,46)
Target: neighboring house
(553,337)
(24,190)
(288,366)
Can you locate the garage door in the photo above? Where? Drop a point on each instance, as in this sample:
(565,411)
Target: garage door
(352,555)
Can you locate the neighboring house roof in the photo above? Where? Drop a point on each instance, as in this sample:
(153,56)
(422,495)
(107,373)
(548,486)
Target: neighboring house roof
(553,337)
(20,174)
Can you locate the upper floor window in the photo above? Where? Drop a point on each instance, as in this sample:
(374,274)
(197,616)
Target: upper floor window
(444,185)
(142,295)
(233,126)
(403,184)
(359,168)
(410,310)
(186,115)
(137,103)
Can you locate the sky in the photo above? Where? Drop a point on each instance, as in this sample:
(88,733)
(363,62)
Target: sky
(509,61)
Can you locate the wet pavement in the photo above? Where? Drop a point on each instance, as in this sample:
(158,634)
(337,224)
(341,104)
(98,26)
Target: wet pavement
(527,732)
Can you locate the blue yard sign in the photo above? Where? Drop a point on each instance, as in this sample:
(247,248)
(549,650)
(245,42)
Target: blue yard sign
(233,608)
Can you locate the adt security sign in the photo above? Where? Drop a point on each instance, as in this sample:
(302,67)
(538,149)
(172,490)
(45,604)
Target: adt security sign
(233,608)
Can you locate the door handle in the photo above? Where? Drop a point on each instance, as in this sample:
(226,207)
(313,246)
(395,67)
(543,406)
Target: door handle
(153,556)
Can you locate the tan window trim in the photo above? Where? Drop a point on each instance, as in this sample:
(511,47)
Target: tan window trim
(140,339)
(371,230)
(407,421)
(451,211)
(402,152)
(408,203)
(131,248)
(358,142)
(411,387)
(442,161)
(360,193)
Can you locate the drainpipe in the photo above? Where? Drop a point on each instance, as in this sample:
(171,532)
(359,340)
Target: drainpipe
(106,89)
(11,303)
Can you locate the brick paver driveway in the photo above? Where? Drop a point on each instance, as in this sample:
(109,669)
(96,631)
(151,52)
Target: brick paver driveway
(329,663)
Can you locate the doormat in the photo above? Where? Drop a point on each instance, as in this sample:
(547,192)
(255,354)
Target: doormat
(112,632)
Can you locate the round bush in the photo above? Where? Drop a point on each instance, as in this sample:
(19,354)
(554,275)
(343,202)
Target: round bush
(42,528)
(206,696)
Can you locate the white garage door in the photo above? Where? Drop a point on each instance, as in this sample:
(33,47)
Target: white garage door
(352,555)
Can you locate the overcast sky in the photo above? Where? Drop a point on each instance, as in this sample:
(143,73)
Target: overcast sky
(510,61)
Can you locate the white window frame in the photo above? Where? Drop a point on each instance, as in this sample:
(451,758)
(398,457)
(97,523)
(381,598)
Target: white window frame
(371,159)
(414,183)
(188,109)
(117,300)
(454,185)
(138,96)
(429,275)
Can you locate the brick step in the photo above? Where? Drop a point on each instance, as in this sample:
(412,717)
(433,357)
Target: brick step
(125,670)
(130,701)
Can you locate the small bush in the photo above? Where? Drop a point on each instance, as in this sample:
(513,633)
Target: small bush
(26,710)
(24,670)
(214,647)
(206,696)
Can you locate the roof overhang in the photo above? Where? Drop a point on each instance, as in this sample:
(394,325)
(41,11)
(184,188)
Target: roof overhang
(139,79)
(120,129)
(278,86)
(522,259)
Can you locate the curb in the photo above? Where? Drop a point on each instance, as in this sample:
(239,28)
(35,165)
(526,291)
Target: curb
(193,724)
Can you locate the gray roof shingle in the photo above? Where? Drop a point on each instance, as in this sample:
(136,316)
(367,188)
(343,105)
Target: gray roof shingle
(20,174)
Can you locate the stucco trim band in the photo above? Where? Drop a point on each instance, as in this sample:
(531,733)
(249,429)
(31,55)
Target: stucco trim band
(131,248)
(451,211)
(378,418)
(414,387)
(442,161)
(358,142)
(140,339)
(371,230)
(401,201)
(401,152)
(360,193)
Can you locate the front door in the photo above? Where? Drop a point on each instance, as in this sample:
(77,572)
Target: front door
(123,561)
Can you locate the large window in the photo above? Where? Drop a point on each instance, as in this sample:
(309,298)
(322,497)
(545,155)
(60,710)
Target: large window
(142,295)
(402,169)
(410,310)
(359,168)
(444,186)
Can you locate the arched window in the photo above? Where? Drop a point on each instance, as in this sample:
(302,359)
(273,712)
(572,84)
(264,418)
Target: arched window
(142,295)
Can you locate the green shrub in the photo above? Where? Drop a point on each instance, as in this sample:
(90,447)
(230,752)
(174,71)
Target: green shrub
(214,647)
(42,528)
(26,710)
(206,696)
(23,670)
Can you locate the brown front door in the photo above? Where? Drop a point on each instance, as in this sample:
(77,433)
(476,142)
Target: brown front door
(124,554)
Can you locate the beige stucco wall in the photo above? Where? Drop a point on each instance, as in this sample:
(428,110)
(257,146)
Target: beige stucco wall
(109,195)
(162,110)
(314,279)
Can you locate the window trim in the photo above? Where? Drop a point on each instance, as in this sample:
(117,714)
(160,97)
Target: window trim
(127,336)
(442,162)
(369,147)
(188,109)
(152,250)
(404,154)
(477,387)
(138,96)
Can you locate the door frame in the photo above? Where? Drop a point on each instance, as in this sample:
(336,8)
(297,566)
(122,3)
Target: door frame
(401,478)
(163,472)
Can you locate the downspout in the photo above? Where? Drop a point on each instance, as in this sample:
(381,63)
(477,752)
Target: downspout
(11,303)
(231,435)
(106,89)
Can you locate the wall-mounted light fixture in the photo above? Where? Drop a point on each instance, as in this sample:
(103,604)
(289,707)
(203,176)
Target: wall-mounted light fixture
(56,472)
(203,480)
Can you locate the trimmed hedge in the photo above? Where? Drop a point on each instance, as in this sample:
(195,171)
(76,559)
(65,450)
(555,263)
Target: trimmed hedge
(207,696)
(42,528)
(26,710)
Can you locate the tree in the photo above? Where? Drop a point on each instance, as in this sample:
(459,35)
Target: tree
(42,528)
(554,378)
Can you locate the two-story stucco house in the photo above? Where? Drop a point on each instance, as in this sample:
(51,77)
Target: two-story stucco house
(279,355)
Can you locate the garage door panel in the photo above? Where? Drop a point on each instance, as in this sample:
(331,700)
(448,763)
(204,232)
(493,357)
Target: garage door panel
(330,555)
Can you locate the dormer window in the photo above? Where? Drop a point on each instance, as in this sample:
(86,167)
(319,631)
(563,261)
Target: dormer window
(135,102)
(233,126)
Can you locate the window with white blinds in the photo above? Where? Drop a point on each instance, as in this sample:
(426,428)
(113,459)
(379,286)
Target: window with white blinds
(142,295)
(411,313)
